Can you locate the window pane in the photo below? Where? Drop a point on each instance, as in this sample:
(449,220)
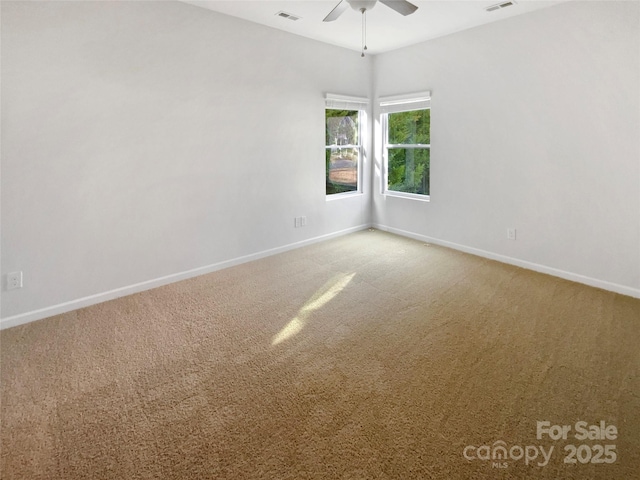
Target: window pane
(342,162)
(409,127)
(342,170)
(342,127)
(409,170)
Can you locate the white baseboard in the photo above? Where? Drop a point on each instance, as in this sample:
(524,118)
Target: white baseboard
(574,277)
(39,314)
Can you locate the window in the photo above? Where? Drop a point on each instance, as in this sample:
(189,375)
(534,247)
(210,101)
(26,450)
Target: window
(344,122)
(406,123)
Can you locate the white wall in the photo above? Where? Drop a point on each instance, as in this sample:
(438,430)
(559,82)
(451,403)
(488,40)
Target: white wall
(535,125)
(142,140)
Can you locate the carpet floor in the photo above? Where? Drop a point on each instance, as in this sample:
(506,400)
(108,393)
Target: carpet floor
(369,356)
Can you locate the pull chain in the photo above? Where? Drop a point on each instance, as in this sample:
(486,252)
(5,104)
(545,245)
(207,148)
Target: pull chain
(364,30)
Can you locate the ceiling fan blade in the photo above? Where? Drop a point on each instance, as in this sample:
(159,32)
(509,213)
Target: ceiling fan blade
(401,6)
(337,11)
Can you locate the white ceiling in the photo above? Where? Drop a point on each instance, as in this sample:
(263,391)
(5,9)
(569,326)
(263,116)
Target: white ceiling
(386,29)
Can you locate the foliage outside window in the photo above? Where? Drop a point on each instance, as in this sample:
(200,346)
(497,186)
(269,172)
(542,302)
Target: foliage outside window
(343,150)
(407,144)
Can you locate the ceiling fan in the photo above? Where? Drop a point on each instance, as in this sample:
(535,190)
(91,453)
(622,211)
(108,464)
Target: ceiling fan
(403,7)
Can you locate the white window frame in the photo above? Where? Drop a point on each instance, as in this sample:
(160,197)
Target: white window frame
(396,104)
(361,104)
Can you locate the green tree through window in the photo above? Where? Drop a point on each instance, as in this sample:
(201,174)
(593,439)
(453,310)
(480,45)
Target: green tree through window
(408,151)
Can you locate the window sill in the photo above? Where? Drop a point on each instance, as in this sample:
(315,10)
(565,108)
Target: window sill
(340,196)
(410,196)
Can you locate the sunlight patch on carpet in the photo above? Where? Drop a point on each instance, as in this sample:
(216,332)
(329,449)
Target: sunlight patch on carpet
(323,296)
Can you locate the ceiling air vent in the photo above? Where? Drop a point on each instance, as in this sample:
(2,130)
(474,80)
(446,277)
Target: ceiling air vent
(498,6)
(288,16)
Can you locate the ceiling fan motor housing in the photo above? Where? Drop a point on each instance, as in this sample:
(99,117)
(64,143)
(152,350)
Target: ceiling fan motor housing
(360,5)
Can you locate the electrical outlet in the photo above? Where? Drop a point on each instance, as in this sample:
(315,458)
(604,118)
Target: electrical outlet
(303,221)
(14,280)
(511,233)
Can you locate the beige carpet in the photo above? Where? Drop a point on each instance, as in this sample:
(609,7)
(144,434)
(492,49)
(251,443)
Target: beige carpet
(365,357)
